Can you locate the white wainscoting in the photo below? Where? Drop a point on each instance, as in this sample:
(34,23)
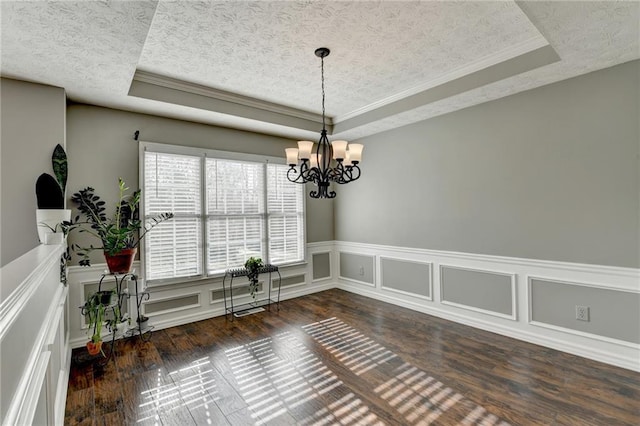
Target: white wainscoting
(206,308)
(616,352)
(35,344)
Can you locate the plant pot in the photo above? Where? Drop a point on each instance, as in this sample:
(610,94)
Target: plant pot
(52,218)
(94,348)
(142,321)
(105,297)
(55,238)
(120,263)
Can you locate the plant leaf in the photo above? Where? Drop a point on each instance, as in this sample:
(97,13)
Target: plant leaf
(59,163)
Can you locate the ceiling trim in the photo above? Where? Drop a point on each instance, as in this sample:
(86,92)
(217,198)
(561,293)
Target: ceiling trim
(177,96)
(526,62)
(485,62)
(223,95)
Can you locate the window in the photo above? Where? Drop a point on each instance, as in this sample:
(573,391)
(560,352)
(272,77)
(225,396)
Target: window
(227,208)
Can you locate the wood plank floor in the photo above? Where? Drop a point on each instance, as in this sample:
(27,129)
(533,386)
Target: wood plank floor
(339,358)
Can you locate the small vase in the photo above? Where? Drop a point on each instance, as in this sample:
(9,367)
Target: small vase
(120,263)
(46,218)
(53,238)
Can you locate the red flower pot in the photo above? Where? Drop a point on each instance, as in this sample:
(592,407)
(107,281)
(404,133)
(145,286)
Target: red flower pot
(120,263)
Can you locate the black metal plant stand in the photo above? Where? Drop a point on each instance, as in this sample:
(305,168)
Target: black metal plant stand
(115,308)
(230,308)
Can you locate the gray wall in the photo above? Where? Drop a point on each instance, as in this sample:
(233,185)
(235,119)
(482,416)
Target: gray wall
(477,289)
(32,119)
(412,277)
(612,313)
(551,173)
(357,267)
(321,265)
(101,148)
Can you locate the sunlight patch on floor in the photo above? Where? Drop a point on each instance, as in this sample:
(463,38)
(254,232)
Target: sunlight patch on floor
(349,346)
(277,375)
(419,398)
(192,386)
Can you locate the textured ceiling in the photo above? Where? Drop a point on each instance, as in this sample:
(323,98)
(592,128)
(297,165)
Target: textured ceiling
(265,49)
(382,52)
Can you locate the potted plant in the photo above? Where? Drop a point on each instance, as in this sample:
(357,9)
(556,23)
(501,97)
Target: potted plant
(95,308)
(50,196)
(119,235)
(253,265)
(142,321)
(57,234)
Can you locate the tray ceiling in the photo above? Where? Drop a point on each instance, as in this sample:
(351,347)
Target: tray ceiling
(250,65)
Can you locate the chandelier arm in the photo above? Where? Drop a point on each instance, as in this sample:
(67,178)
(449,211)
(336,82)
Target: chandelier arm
(354,173)
(293,172)
(342,175)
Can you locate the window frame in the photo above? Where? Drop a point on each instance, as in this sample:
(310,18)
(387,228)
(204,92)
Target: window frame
(203,154)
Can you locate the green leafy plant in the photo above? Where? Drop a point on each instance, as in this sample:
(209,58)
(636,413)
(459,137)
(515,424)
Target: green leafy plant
(50,190)
(57,227)
(253,265)
(123,231)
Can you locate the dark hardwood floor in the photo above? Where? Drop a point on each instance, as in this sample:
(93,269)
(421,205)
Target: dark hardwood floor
(339,358)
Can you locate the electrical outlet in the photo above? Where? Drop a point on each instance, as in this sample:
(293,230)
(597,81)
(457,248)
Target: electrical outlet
(582,313)
(362,270)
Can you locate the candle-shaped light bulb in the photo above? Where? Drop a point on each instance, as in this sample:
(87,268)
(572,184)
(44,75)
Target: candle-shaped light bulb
(292,156)
(304,149)
(339,149)
(355,152)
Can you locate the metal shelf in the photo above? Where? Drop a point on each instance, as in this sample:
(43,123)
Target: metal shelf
(122,292)
(230,308)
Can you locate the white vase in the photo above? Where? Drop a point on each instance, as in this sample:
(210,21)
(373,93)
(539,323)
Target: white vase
(46,218)
(52,238)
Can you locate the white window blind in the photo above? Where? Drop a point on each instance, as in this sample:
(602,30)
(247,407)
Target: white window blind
(172,183)
(285,208)
(235,212)
(226,210)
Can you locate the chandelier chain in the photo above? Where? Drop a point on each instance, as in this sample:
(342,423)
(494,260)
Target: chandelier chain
(322,74)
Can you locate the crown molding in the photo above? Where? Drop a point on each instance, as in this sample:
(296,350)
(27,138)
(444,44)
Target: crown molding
(223,95)
(485,62)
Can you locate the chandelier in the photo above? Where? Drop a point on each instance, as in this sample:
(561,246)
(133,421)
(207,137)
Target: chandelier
(330,162)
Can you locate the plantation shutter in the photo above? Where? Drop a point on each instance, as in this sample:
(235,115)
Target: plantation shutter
(172,183)
(285,211)
(235,213)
